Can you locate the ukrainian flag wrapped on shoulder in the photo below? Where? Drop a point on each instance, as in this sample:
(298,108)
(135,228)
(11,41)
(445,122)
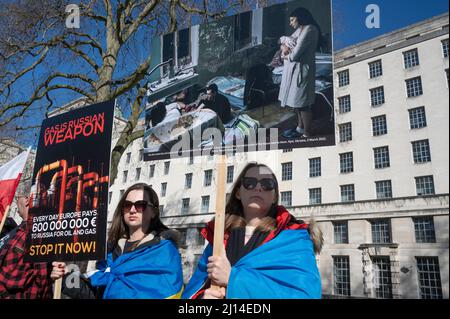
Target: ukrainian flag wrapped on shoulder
(283,268)
(151,272)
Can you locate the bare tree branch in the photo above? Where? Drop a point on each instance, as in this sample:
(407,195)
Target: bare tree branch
(24,71)
(137,22)
(81,54)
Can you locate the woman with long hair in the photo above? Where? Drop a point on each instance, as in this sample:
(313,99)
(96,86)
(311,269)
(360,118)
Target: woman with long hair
(297,89)
(269,253)
(143,260)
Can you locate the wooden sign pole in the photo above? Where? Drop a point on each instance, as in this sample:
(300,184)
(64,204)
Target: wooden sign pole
(5,215)
(57,289)
(219,218)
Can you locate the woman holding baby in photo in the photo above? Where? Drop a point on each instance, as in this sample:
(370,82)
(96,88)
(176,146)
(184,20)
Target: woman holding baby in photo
(297,88)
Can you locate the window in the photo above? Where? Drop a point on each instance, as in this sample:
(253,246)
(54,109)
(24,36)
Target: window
(287,150)
(347,193)
(429,277)
(128,158)
(345,132)
(166,168)
(200,238)
(382,277)
(138,173)
(163,189)
(183,235)
(247,29)
(230,174)
(447,76)
(179,47)
(286,198)
(205,204)
(424,229)
(161,210)
(379,126)
(344,104)
(381,157)
(188,181)
(152,171)
(344,78)
(141,155)
(417,117)
(125,176)
(341,274)
(315,196)
(286,171)
(377,96)
(411,58)
(242,30)
(421,151)
(346,160)
(375,69)
(340,229)
(185,205)
(383,189)
(414,87)
(381,231)
(122,191)
(315,169)
(445,48)
(208,178)
(110,197)
(191,160)
(424,185)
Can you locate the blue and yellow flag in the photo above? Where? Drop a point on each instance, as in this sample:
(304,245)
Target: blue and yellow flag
(283,268)
(153,272)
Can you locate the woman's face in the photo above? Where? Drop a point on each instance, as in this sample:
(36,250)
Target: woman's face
(140,216)
(257,192)
(293,22)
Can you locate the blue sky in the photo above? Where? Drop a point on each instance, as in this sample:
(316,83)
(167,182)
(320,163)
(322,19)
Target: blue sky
(350,16)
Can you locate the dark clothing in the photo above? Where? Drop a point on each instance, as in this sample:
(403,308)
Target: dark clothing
(220,105)
(129,245)
(9,225)
(20,279)
(236,249)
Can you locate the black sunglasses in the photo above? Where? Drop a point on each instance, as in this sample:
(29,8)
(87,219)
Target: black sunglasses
(267,184)
(140,205)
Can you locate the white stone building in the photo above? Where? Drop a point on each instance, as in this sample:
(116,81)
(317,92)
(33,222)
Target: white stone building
(381,194)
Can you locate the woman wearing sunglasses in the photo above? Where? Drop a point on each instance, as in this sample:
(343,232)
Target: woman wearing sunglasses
(143,260)
(269,254)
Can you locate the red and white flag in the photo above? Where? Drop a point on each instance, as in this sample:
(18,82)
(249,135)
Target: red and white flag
(10,174)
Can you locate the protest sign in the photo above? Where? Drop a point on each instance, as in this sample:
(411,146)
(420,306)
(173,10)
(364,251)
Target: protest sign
(69,195)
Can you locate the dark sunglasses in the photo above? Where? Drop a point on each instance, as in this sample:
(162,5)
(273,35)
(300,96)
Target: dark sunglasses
(140,205)
(267,184)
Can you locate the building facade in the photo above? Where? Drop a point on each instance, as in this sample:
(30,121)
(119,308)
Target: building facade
(380,195)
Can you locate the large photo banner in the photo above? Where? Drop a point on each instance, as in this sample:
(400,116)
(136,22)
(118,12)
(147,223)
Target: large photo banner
(69,195)
(259,80)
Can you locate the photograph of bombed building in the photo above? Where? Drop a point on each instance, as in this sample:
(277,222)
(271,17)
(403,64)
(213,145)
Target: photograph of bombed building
(258,80)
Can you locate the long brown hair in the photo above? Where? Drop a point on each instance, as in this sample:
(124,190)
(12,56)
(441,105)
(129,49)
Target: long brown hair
(120,230)
(234,212)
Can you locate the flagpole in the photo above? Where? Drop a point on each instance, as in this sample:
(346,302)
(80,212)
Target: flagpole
(5,215)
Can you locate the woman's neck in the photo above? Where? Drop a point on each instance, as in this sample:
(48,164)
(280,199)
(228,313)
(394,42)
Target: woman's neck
(136,234)
(253,221)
